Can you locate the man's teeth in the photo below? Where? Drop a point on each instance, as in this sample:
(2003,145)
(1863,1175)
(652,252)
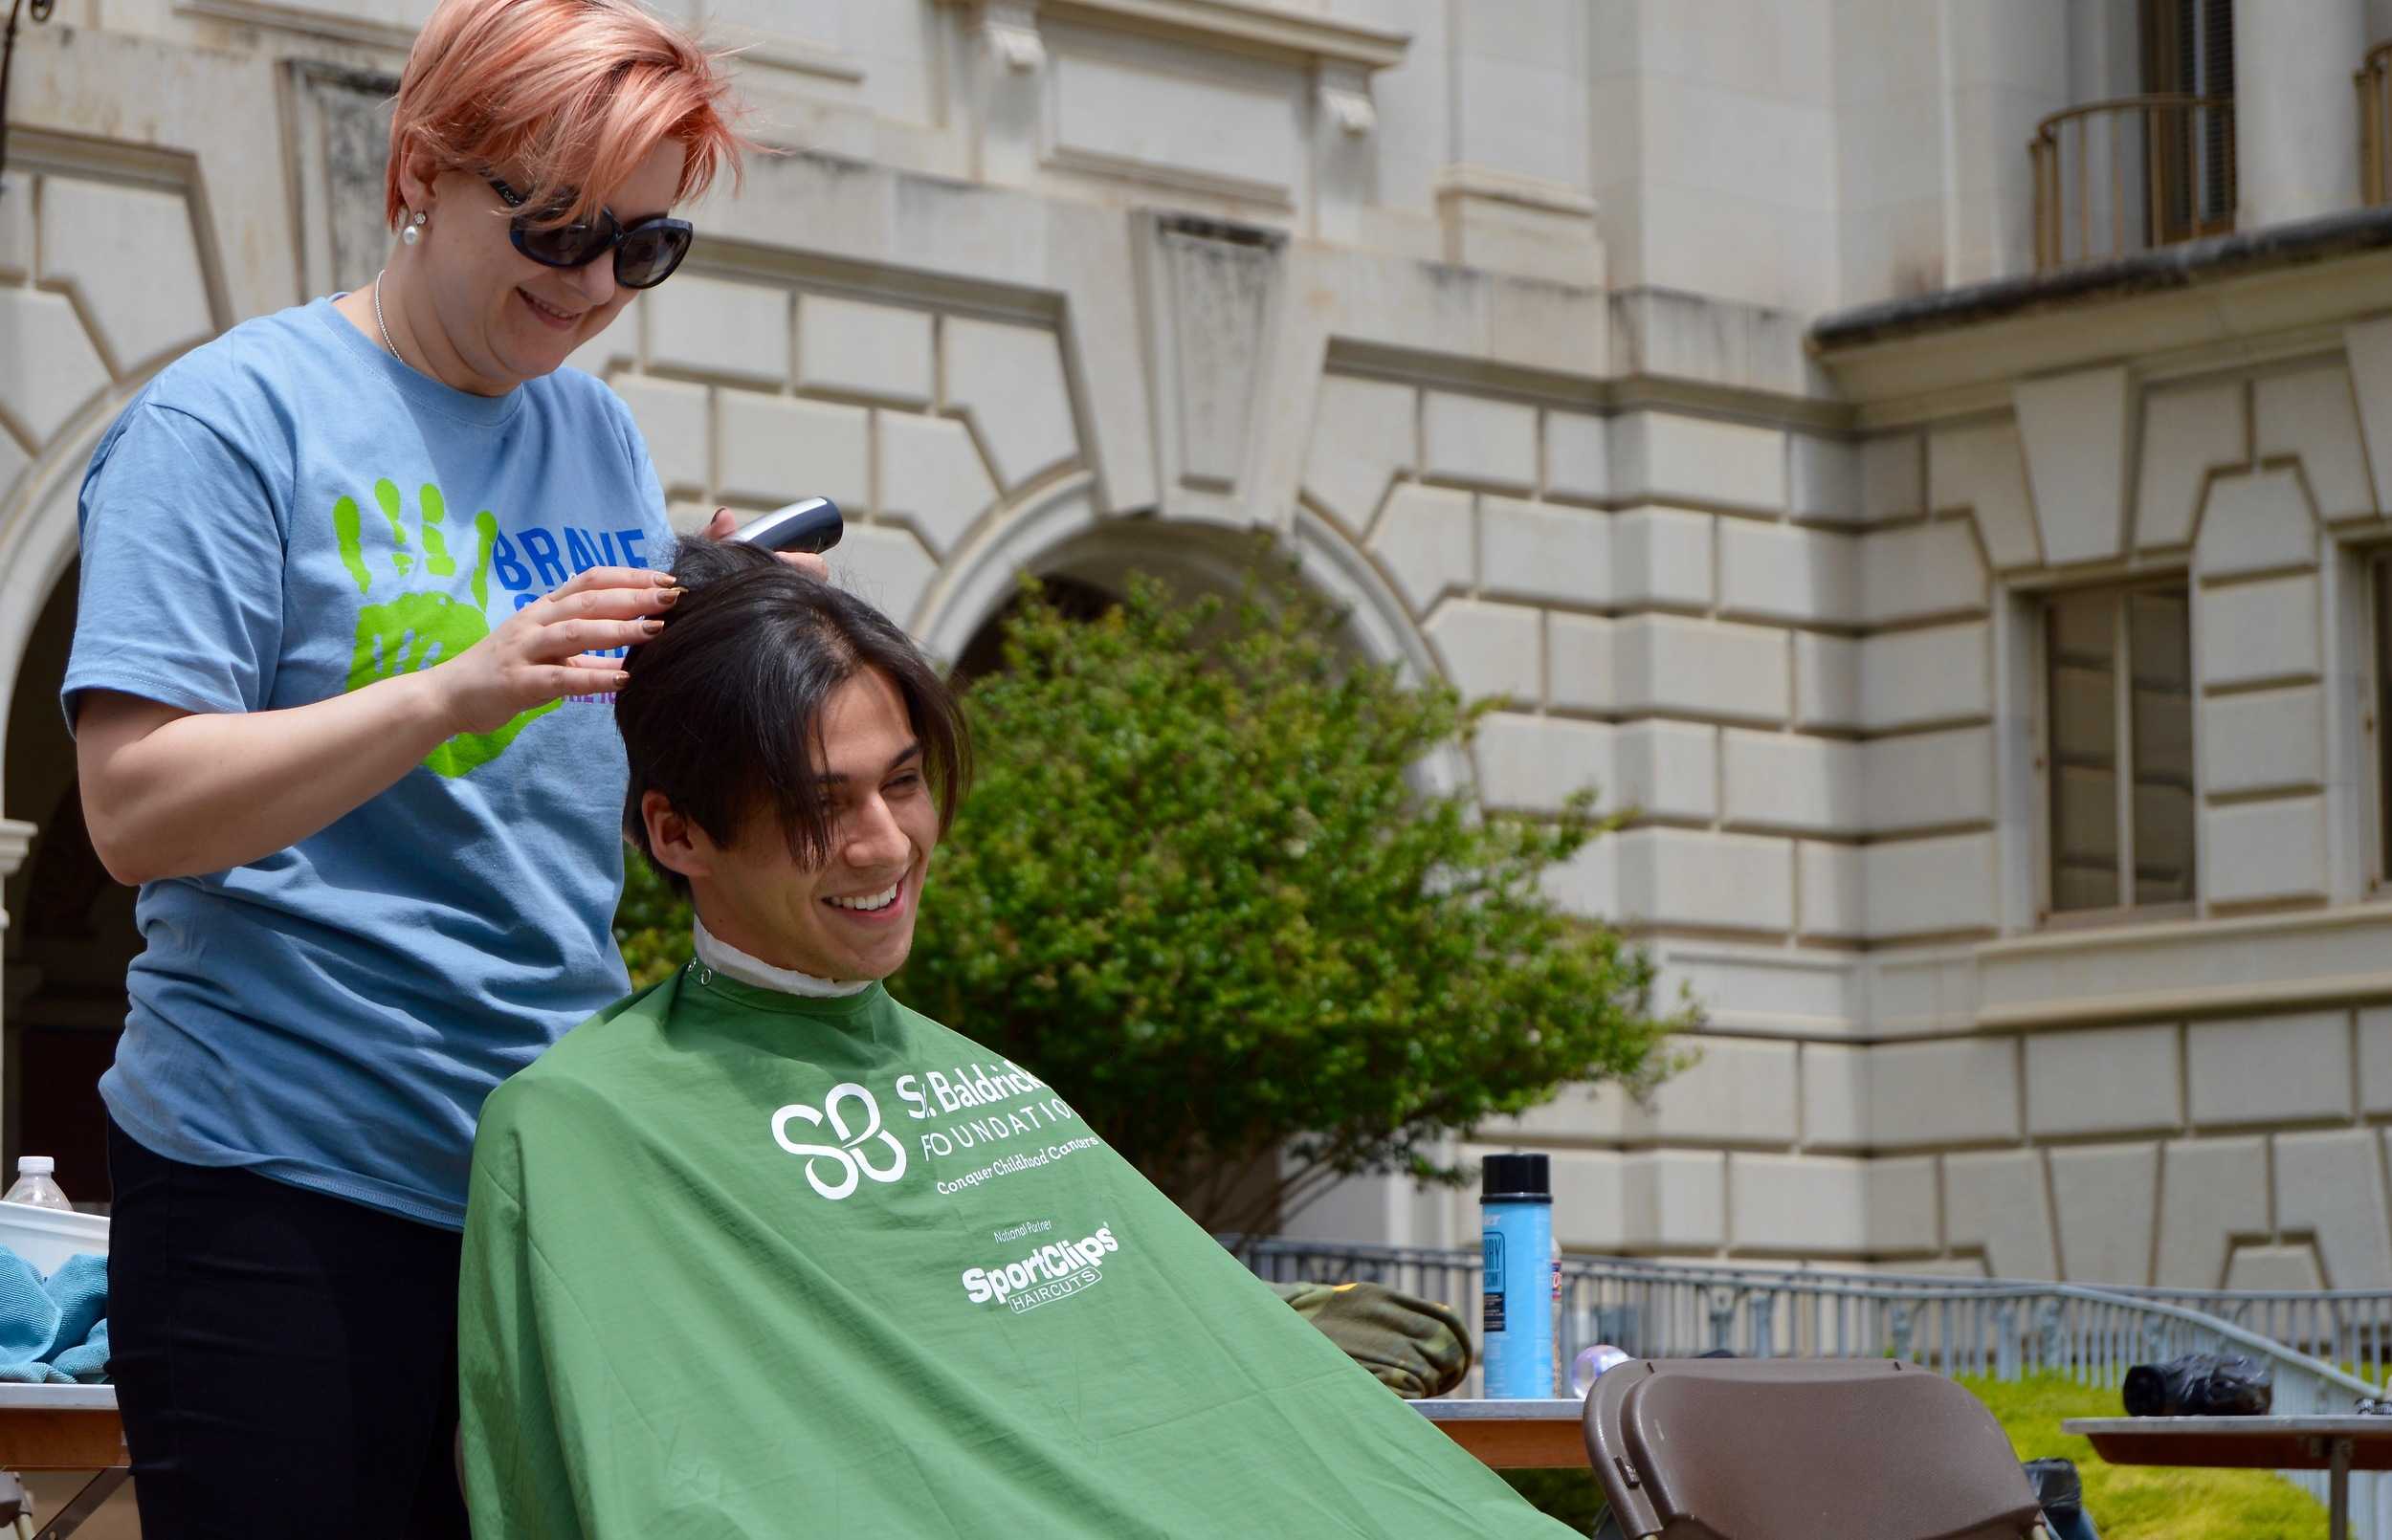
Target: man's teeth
(879,900)
(546,308)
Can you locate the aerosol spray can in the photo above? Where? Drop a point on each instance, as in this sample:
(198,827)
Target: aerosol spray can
(1515,1197)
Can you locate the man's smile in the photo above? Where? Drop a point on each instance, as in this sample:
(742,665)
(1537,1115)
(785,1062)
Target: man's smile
(880,910)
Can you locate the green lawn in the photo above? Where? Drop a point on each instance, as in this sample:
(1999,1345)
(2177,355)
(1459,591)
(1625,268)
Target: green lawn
(2126,1502)
(2146,1502)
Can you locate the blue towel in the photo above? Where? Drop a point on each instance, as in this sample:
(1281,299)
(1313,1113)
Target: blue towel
(53,1330)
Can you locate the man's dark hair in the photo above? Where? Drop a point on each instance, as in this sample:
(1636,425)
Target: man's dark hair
(723,712)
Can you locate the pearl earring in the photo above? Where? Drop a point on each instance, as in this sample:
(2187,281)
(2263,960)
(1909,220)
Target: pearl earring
(414,231)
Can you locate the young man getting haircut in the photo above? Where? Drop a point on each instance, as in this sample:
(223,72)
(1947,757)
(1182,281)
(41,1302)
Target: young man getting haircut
(761,1252)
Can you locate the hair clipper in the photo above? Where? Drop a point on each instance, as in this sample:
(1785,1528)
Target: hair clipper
(810,524)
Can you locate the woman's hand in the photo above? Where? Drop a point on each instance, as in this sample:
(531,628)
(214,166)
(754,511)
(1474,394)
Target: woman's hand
(720,526)
(539,654)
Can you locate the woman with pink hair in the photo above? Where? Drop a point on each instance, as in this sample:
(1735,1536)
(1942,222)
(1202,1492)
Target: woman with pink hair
(357,578)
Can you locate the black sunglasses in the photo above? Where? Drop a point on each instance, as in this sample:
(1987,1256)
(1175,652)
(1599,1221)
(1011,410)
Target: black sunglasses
(645,255)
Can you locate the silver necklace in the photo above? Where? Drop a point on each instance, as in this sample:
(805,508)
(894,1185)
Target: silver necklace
(383,326)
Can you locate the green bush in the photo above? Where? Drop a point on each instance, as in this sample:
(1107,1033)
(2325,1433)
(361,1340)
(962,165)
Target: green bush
(1201,888)
(651,923)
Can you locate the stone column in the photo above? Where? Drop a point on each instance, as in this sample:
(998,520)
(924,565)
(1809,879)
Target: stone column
(2295,110)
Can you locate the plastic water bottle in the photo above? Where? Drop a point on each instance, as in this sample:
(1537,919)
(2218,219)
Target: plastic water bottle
(34,1185)
(1589,1366)
(1516,1199)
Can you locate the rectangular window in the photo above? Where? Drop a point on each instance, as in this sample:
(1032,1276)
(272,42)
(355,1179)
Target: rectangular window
(2119,728)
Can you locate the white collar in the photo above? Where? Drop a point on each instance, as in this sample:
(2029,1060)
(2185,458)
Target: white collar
(725,958)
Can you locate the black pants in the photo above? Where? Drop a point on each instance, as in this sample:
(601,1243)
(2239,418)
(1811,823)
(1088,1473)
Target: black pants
(287,1362)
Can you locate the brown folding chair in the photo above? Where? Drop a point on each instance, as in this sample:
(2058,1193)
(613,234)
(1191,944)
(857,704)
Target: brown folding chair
(1802,1449)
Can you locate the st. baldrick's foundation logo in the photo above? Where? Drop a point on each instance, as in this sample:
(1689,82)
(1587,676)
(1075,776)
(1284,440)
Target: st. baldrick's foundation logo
(851,1157)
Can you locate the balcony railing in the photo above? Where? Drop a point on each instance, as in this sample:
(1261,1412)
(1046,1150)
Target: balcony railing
(2374,80)
(2114,177)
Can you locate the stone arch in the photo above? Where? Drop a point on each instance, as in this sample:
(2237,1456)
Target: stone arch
(977,576)
(1059,531)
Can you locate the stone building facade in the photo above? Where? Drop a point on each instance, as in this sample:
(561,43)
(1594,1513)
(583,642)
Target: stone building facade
(1965,563)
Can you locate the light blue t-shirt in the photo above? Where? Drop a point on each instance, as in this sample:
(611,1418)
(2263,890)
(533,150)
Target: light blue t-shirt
(286,514)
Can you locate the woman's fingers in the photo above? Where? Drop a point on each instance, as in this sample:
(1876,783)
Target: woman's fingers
(559,640)
(603,604)
(611,578)
(562,680)
(607,593)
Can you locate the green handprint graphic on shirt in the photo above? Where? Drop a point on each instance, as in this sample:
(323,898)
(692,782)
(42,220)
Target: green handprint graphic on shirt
(425,617)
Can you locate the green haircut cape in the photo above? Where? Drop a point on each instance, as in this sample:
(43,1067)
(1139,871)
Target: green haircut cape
(746,1263)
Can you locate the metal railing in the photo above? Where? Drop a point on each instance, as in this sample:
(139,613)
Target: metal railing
(1991,1326)
(2125,175)
(2374,81)
(1997,1328)
(2348,1327)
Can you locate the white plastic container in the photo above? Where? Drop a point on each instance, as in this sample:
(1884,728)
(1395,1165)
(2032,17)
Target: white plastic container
(46,1237)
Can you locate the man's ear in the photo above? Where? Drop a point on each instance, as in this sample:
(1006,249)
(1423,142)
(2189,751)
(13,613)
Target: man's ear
(676,844)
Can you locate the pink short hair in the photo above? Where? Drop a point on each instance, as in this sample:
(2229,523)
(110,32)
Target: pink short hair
(575,93)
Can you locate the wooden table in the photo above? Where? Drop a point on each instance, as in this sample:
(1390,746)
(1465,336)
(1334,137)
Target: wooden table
(65,1427)
(2336,1444)
(1515,1435)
